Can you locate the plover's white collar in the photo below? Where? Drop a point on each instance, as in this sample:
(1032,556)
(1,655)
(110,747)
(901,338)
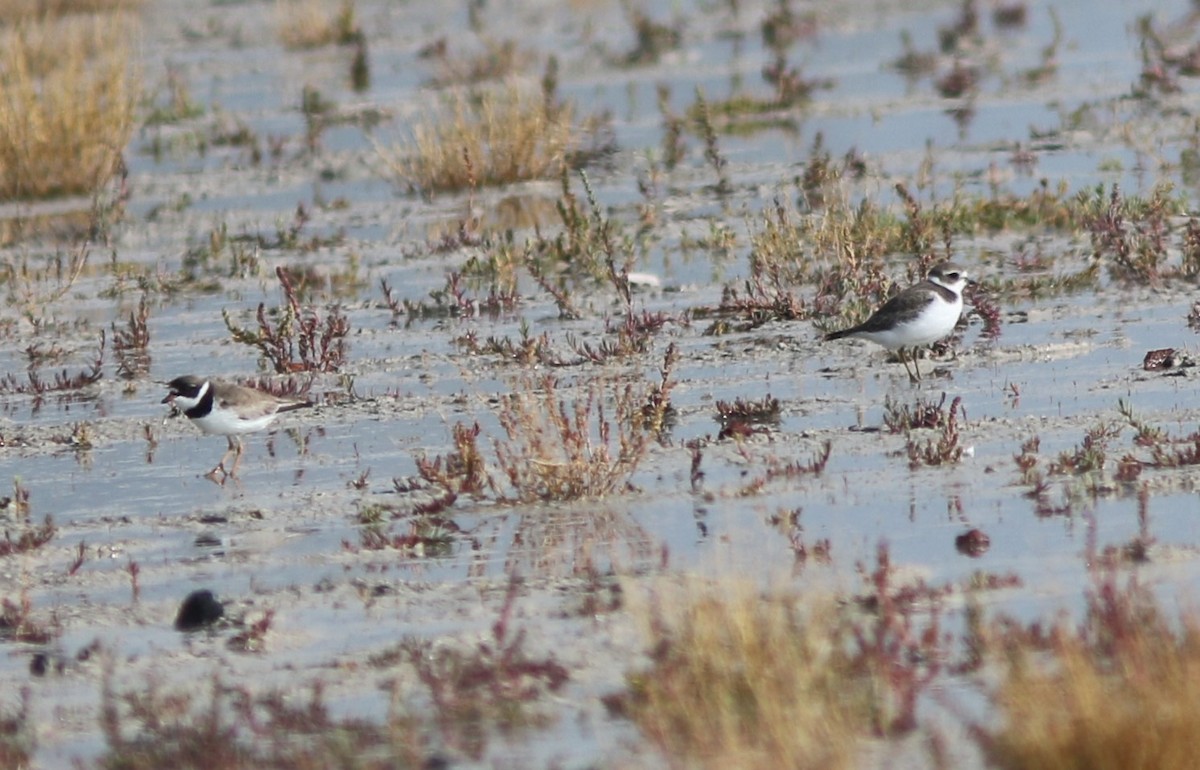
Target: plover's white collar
(919,315)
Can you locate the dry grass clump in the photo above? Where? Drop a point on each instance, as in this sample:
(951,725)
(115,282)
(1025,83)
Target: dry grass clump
(558,448)
(310,24)
(14,11)
(1118,694)
(67,98)
(496,138)
(743,680)
(560,451)
(42,42)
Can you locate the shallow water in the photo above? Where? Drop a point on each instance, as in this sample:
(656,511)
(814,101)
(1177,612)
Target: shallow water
(285,536)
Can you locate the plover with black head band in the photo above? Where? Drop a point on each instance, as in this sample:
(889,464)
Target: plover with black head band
(225,409)
(920,315)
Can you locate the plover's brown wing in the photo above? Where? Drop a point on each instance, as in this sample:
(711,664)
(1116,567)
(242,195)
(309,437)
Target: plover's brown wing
(901,308)
(247,402)
(287,406)
(254,403)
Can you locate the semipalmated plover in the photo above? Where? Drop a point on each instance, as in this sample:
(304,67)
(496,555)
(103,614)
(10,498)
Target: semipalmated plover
(920,315)
(228,410)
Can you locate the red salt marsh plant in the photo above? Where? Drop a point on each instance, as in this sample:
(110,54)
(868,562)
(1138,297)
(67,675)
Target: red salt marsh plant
(946,449)
(64,385)
(301,339)
(131,344)
(496,682)
(231,728)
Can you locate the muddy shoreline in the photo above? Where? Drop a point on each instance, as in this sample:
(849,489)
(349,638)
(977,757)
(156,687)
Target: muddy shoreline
(138,528)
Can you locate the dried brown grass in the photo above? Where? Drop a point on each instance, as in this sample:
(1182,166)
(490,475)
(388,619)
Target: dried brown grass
(312,24)
(746,680)
(68,91)
(18,11)
(1127,703)
(495,138)
(557,450)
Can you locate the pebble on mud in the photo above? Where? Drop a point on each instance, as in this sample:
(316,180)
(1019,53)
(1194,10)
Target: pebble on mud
(198,610)
(973,543)
(1166,359)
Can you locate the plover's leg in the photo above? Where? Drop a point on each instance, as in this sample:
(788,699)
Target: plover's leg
(220,469)
(235,446)
(916,366)
(904,360)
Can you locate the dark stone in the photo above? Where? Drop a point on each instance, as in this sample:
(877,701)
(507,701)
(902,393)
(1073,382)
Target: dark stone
(198,610)
(973,543)
(207,540)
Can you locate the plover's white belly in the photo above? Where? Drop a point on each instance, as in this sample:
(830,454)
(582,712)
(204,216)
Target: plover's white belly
(227,422)
(935,322)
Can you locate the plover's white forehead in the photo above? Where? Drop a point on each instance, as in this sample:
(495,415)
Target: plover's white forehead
(187,392)
(949,274)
